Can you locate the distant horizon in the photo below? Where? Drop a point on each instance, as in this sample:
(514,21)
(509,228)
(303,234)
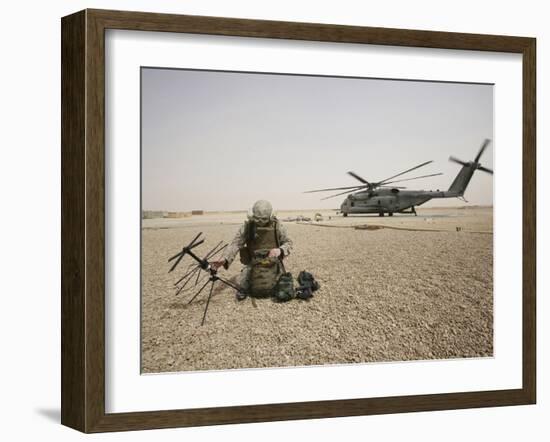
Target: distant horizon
(472,206)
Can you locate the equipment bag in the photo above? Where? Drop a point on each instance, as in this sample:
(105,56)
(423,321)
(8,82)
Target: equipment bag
(306,285)
(264,275)
(284,290)
(244,255)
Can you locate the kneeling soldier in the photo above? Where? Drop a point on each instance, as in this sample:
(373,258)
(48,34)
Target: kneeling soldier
(263,243)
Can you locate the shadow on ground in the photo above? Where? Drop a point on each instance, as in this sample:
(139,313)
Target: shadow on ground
(51,414)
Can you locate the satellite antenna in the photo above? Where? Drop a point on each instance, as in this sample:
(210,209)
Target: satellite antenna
(202,264)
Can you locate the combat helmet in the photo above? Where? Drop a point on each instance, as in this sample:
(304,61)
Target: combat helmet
(261,213)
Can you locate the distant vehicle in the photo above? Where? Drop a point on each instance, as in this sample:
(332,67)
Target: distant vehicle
(381,198)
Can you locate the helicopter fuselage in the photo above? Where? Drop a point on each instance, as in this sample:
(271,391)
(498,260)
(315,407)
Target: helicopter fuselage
(388,200)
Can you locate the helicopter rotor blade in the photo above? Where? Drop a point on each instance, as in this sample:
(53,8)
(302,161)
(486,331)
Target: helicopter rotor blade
(482,149)
(402,173)
(338,194)
(357,177)
(393,187)
(334,188)
(414,178)
(456,160)
(485,169)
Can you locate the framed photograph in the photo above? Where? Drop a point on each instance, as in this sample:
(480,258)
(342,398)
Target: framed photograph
(268,220)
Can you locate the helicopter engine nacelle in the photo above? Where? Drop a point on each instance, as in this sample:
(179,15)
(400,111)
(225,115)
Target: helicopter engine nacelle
(358,197)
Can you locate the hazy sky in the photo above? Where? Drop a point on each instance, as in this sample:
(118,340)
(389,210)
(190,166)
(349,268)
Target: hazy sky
(222,140)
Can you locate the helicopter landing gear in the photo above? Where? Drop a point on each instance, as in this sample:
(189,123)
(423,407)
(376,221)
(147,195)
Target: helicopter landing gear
(413,210)
(390,213)
(381,214)
(344,214)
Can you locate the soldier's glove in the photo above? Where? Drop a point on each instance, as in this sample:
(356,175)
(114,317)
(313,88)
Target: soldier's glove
(215,265)
(274,253)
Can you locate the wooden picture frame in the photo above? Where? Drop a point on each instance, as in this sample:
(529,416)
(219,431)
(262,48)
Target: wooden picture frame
(83,220)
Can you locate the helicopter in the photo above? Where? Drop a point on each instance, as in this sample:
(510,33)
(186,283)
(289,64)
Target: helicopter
(382,198)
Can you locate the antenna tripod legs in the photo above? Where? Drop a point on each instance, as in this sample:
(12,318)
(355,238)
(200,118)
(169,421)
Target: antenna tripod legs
(207,302)
(212,280)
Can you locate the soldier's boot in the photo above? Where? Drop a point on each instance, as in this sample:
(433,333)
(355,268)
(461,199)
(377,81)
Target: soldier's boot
(241,295)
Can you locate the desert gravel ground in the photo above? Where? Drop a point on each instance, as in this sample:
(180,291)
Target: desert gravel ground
(386,295)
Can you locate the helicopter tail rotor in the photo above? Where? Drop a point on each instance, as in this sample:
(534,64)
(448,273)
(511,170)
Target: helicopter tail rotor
(460,183)
(482,149)
(476,165)
(456,160)
(485,169)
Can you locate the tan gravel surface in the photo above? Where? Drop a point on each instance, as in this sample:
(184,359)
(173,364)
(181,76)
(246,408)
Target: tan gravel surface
(386,295)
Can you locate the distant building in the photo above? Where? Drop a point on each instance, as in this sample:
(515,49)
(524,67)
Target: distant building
(151,214)
(177,214)
(197,212)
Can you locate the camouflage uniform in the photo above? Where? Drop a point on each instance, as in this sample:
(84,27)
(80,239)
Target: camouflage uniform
(240,241)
